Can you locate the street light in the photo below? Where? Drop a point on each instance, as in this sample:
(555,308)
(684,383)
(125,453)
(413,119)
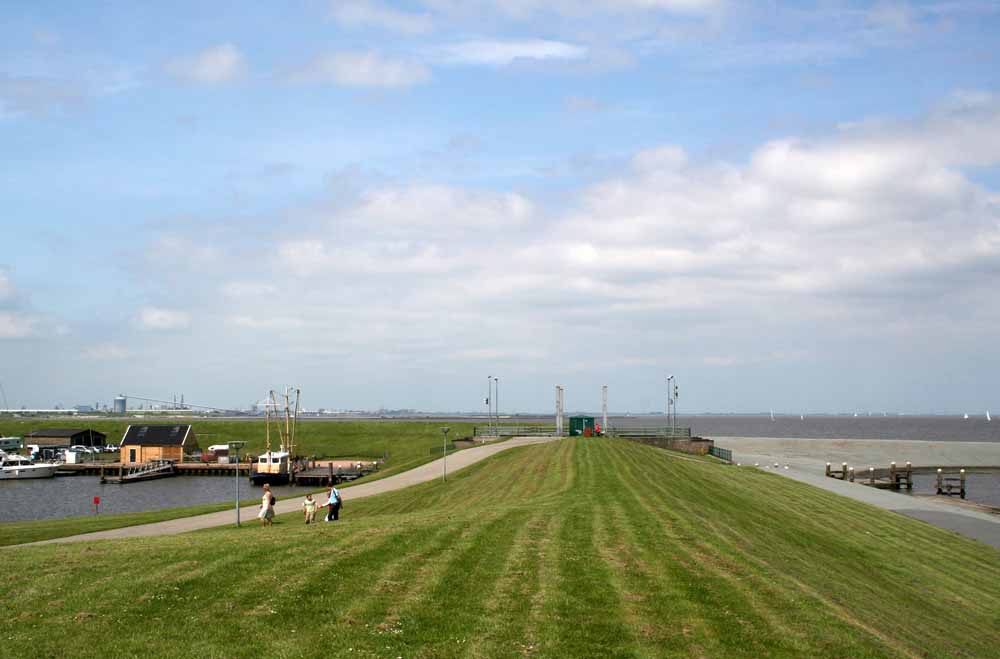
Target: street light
(669,400)
(497,407)
(236,446)
(489,402)
(444,447)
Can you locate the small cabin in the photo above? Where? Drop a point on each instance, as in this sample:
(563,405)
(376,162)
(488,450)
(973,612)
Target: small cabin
(580,425)
(167,442)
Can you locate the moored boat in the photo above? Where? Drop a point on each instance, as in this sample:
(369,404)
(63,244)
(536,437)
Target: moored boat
(272,467)
(15,467)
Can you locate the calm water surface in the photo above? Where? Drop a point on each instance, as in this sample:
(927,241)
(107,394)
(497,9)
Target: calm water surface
(72,496)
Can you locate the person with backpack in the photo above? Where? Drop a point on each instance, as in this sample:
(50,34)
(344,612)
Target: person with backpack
(267,502)
(333,504)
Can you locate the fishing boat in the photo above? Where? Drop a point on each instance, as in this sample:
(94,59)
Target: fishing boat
(13,466)
(273,467)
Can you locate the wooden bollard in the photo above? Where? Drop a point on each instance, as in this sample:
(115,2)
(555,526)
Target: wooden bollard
(961,476)
(909,476)
(940,481)
(892,475)
(871,475)
(852,474)
(827,469)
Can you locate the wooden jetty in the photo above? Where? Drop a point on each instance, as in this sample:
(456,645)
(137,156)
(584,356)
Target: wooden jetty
(315,474)
(146,471)
(951,481)
(180,468)
(951,485)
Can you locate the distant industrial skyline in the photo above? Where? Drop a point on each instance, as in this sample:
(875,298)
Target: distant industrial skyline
(786,205)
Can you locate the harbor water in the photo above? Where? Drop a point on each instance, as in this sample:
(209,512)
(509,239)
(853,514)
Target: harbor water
(73,496)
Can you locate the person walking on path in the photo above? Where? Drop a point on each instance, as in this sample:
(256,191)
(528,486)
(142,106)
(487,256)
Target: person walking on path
(309,507)
(266,513)
(333,504)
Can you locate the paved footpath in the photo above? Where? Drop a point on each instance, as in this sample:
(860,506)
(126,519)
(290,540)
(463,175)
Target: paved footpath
(807,458)
(421,474)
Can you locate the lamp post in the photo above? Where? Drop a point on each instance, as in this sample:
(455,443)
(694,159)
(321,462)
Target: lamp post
(497,406)
(670,400)
(489,402)
(444,447)
(674,429)
(236,446)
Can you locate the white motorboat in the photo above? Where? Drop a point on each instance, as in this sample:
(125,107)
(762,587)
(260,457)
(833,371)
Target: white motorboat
(13,466)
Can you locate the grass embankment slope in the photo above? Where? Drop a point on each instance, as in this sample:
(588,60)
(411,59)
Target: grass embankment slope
(407,443)
(571,549)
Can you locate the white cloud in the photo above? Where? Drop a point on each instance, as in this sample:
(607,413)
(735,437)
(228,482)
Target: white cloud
(362,69)
(106,352)
(155,318)
(525,9)
(14,325)
(366,13)
(872,236)
(33,95)
(218,64)
(504,53)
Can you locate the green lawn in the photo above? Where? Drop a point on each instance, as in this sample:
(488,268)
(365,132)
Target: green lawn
(577,548)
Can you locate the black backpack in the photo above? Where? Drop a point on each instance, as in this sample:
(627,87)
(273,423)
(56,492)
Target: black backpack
(273,500)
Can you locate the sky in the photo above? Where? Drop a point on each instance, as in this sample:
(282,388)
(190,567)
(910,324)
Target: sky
(786,205)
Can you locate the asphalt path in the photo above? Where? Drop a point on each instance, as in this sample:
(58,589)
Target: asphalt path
(248,514)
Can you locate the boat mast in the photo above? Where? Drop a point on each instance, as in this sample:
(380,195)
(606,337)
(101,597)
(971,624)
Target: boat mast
(267,426)
(295,420)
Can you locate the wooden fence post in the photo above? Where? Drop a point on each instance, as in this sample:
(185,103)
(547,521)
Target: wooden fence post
(871,475)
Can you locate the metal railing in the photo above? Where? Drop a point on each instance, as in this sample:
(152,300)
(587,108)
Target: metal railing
(721,453)
(665,433)
(514,431)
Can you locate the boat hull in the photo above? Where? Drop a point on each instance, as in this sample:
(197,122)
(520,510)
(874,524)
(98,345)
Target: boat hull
(28,471)
(259,478)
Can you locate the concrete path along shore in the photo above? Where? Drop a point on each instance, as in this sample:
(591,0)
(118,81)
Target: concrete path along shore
(807,458)
(248,514)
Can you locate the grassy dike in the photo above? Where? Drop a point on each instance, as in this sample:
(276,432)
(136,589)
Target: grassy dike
(578,548)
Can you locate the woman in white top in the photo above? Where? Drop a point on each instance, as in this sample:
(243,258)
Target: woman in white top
(266,513)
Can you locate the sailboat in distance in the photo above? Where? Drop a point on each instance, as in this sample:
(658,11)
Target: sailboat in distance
(772,415)
(966,416)
(988,416)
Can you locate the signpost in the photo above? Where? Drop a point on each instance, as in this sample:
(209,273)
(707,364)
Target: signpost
(235,447)
(97,504)
(444,447)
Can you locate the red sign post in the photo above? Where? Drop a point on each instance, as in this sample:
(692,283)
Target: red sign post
(97,504)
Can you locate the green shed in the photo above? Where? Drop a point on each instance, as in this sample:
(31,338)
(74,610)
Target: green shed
(578,424)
